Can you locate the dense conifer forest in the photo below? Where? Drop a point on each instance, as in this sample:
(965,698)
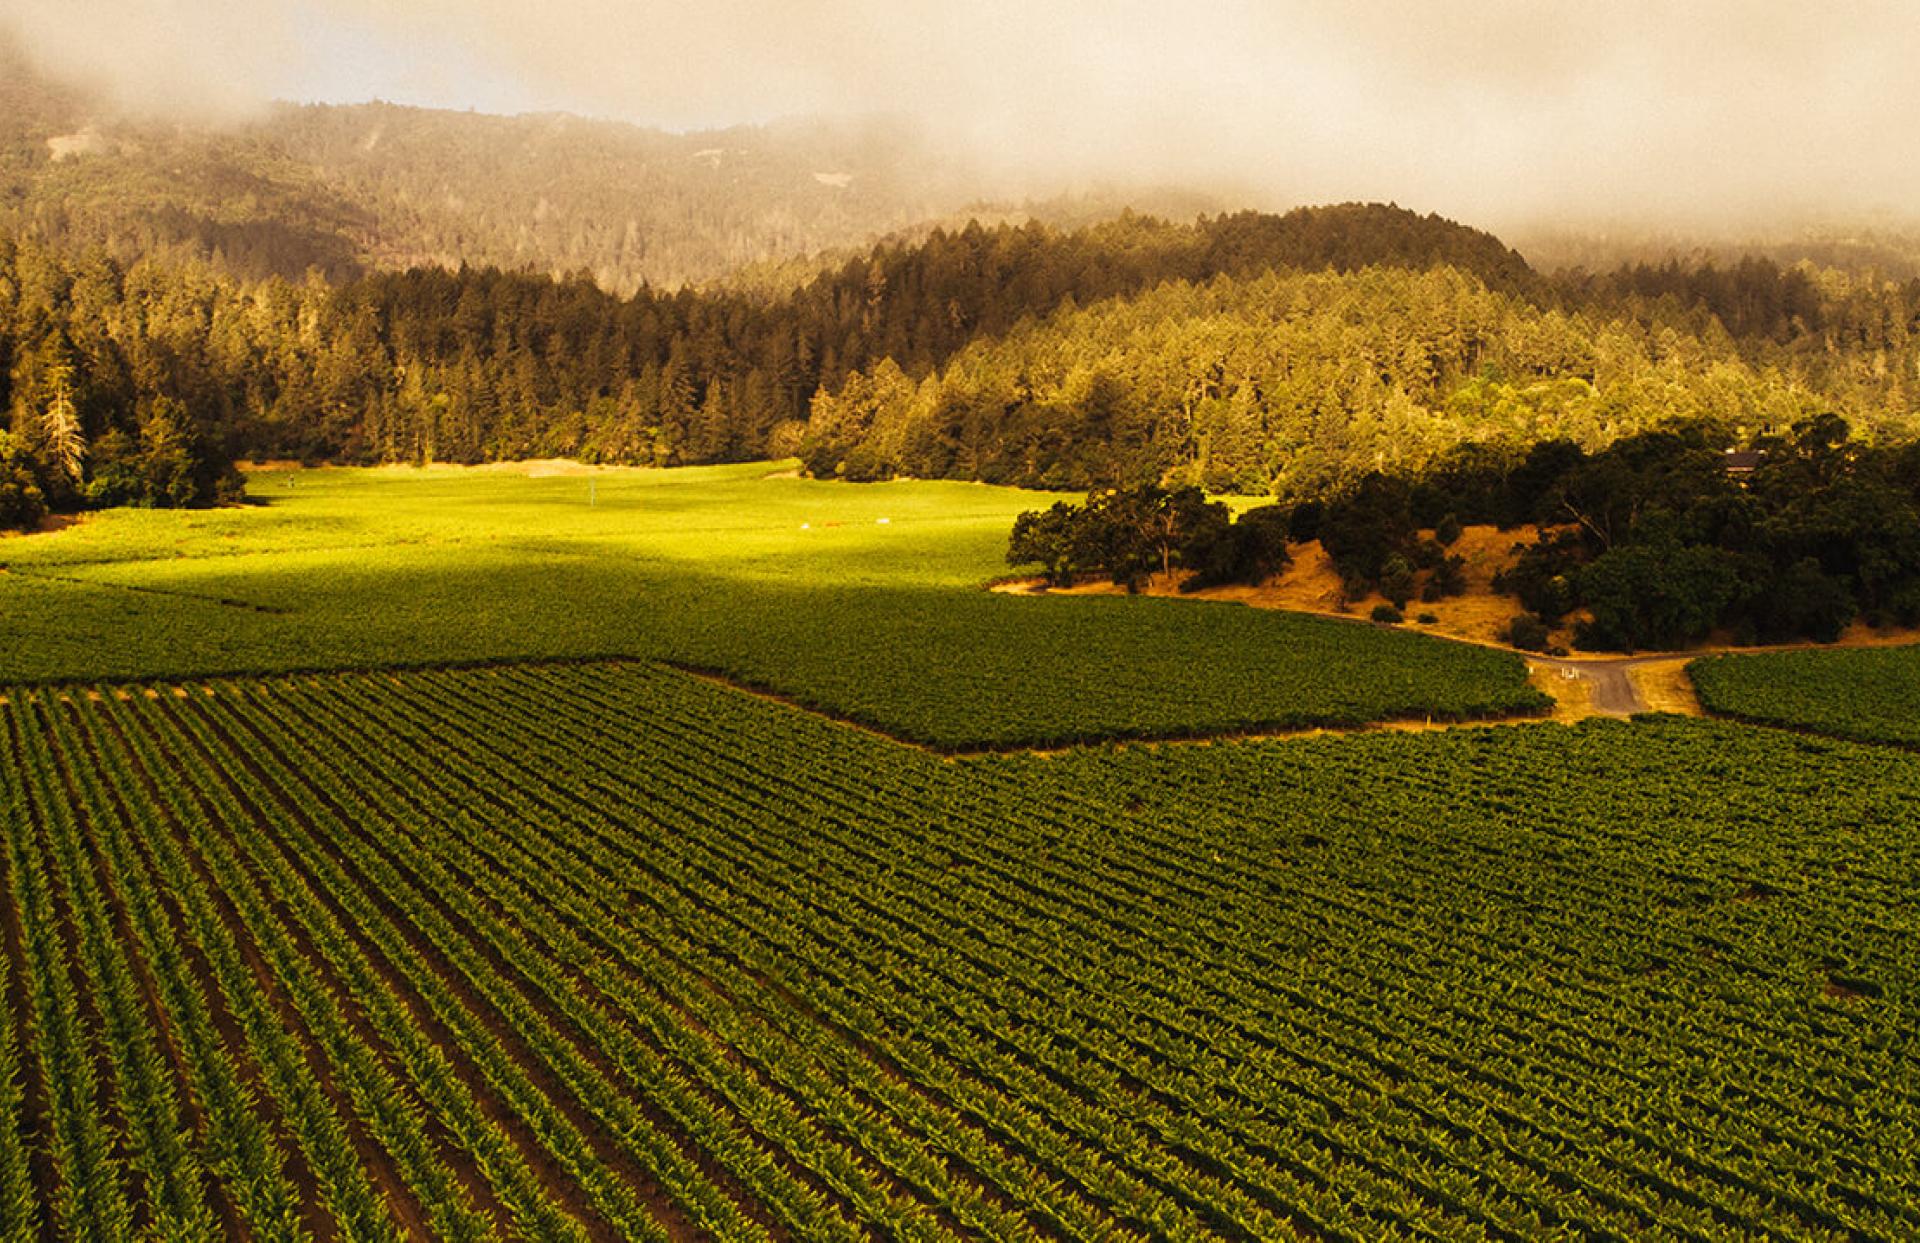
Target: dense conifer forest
(1291,354)
(472,364)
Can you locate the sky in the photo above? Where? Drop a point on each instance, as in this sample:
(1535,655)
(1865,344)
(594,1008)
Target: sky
(1489,110)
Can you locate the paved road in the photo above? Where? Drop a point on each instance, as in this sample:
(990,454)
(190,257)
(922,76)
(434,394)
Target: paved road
(1614,693)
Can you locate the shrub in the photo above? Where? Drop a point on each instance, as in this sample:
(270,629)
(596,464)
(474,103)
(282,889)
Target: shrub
(1396,580)
(1251,549)
(1388,614)
(1303,523)
(1656,596)
(1527,633)
(1543,575)
(1449,578)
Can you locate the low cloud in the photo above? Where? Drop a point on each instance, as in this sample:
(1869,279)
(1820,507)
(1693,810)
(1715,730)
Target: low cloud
(1499,112)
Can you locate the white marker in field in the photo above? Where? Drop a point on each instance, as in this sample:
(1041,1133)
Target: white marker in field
(883,521)
(806,526)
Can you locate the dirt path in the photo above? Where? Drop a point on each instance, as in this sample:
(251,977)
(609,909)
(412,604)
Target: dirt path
(1581,685)
(1621,686)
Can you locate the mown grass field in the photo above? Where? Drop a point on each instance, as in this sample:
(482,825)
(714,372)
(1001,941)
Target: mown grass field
(862,601)
(604,951)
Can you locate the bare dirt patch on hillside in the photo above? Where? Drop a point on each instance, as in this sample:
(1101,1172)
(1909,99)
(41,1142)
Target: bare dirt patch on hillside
(1310,585)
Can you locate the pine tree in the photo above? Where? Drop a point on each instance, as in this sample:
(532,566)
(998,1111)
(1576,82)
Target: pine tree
(60,430)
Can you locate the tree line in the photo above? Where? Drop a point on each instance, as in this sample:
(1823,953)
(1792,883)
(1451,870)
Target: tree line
(1654,542)
(1299,382)
(143,363)
(1287,355)
(1131,534)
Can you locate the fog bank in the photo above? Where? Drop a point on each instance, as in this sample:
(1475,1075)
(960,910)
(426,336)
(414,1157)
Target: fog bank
(1499,112)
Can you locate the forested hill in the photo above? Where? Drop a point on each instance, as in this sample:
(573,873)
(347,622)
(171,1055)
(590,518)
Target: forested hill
(353,189)
(466,365)
(1301,383)
(1292,352)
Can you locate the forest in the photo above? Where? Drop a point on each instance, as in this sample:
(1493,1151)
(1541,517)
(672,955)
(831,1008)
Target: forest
(1653,542)
(1287,355)
(1299,382)
(351,189)
(468,365)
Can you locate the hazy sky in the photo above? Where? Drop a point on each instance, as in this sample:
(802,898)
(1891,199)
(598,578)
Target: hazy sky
(1491,110)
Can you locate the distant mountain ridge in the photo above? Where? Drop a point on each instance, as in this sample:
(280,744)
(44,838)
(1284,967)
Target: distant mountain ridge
(357,188)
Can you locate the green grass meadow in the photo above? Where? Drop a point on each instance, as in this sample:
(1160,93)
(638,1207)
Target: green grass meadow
(862,600)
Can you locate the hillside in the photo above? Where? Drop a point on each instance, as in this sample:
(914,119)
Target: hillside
(1300,382)
(377,186)
(1879,244)
(478,364)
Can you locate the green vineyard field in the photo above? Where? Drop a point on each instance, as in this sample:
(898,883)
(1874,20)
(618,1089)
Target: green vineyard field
(1869,694)
(606,951)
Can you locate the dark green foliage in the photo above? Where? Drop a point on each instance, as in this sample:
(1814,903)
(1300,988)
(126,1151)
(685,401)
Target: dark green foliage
(1527,632)
(1388,614)
(22,501)
(1803,601)
(1542,576)
(1368,527)
(1658,538)
(1397,580)
(1138,532)
(1053,538)
(1656,595)
(1303,523)
(1131,534)
(164,467)
(1753,298)
(1447,530)
(1250,549)
(1526,495)
(109,392)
